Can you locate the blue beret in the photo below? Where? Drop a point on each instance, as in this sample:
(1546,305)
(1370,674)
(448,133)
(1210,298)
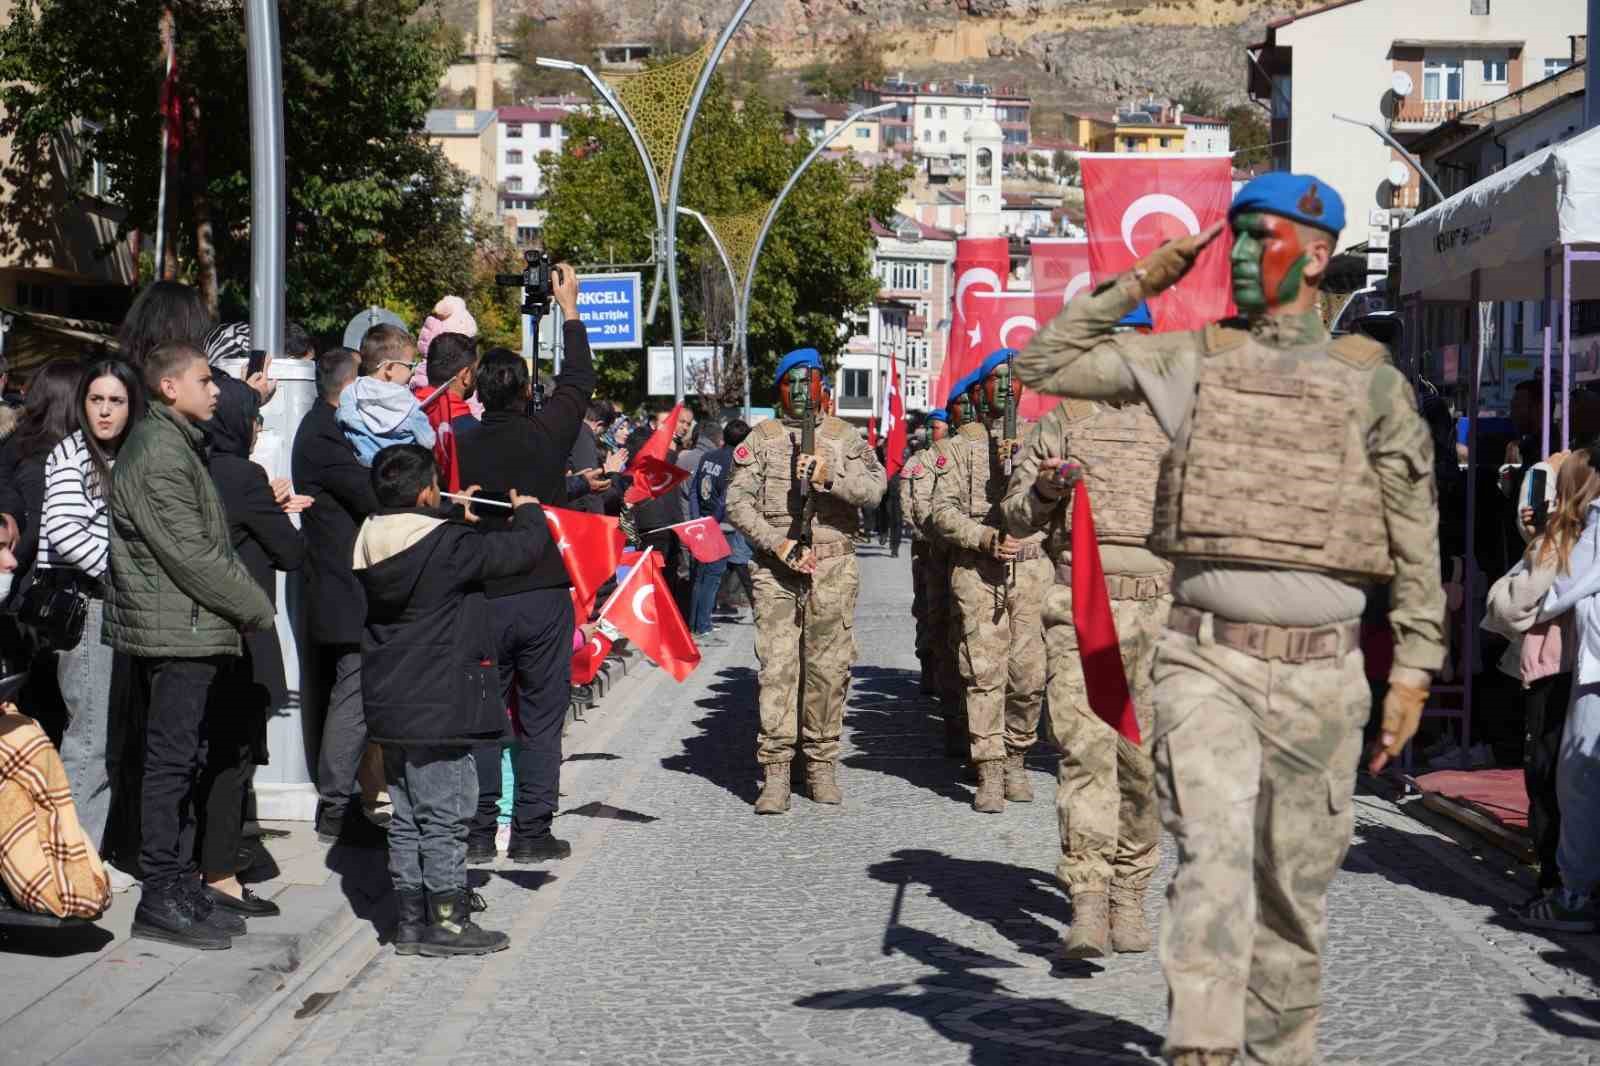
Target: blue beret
(996,357)
(938,414)
(960,387)
(798,357)
(1138,317)
(1297,196)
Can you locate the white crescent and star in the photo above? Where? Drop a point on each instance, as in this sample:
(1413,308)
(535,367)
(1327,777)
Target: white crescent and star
(971,277)
(1012,323)
(639,598)
(655,485)
(1077,285)
(1156,203)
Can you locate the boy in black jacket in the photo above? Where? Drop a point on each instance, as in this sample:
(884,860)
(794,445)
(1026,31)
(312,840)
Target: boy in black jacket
(429,684)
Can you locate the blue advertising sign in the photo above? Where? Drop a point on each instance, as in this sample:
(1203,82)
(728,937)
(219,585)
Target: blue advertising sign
(608,307)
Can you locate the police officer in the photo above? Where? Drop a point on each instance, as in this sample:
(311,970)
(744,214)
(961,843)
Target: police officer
(997,585)
(1299,475)
(916,486)
(805,595)
(1105,785)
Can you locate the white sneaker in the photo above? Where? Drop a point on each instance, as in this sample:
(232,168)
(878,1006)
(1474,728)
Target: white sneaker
(120,881)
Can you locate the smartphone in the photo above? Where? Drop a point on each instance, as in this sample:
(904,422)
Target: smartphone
(257,363)
(1536,498)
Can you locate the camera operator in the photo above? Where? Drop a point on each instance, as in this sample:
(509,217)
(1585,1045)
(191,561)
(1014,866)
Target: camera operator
(531,615)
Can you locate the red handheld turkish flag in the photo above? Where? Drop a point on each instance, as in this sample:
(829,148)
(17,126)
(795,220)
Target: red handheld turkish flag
(872,432)
(1137,202)
(642,609)
(653,476)
(982,265)
(1016,319)
(1098,647)
(587,660)
(1060,272)
(894,424)
(590,546)
(704,539)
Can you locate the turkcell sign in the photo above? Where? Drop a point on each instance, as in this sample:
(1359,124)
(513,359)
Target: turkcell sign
(608,307)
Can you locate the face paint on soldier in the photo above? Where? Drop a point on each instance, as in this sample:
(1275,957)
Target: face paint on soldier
(937,431)
(800,391)
(995,392)
(1273,257)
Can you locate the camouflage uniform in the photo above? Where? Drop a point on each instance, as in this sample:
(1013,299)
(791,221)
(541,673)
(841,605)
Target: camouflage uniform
(995,624)
(931,577)
(1299,475)
(764,503)
(1105,790)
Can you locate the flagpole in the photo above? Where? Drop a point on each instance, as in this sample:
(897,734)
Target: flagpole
(166,153)
(618,590)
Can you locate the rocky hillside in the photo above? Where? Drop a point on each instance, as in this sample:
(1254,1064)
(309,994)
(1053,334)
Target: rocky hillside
(1065,51)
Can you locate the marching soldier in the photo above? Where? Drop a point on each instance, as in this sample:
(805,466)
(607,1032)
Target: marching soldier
(805,578)
(916,486)
(997,586)
(1299,475)
(1105,785)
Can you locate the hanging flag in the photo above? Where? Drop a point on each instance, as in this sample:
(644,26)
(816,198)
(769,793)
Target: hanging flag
(1137,202)
(1060,272)
(587,660)
(704,539)
(982,265)
(642,609)
(1016,318)
(1103,677)
(170,103)
(652,475)
(894,423)
(591,548)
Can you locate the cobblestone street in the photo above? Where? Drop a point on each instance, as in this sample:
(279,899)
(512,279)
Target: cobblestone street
(902,928)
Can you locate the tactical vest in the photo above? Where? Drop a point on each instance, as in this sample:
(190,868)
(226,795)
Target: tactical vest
(1273,466)
(984,480)
(1121,449)
(778,446)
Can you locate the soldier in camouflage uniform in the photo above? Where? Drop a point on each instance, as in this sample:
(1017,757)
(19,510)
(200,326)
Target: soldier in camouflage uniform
(916,486)
(1105,785)
(1299,475)
(802,593)
(997,587)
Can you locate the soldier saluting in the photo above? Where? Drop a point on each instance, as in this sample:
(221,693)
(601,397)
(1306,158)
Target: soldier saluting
(1299,475)
(799,511)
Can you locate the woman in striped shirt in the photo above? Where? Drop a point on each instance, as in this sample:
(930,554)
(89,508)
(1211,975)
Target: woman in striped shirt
(73,545)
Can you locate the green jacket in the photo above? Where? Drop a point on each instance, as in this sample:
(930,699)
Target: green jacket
(177,589)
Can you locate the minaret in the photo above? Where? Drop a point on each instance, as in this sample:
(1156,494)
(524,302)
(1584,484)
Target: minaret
(483,48)
(985,158)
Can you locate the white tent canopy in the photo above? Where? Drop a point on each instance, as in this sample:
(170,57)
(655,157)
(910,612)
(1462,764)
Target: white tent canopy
(1504,225)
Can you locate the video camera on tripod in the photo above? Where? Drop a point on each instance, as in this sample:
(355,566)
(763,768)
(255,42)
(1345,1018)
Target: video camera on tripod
(537,282)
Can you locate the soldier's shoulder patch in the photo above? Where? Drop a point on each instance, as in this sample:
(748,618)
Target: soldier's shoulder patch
(943,460)
(1358,351)
(743,455)
(1221,339)
(916,471)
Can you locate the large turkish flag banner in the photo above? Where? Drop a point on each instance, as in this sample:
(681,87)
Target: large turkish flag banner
(1013,318)
(1137,202)
(1060,272)
(982,265)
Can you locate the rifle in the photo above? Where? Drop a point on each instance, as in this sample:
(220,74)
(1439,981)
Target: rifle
(802,543)
(1009,439)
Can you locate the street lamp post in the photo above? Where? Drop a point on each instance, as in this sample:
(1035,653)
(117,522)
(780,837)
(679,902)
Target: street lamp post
(733,281)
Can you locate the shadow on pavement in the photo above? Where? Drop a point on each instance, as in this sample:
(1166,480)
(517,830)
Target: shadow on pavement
(364,880)
(1000,1027)
(591,756)
(723,751)
(57,943)
(596,809)
(896,730)
(1569,1016)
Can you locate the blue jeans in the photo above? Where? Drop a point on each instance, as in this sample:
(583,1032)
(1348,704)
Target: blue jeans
(708,579)
(434,791)
(84,674)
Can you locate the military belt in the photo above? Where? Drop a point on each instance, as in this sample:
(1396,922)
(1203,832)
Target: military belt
(1121,586)
(1031,550)
(832,549)
(1288,644)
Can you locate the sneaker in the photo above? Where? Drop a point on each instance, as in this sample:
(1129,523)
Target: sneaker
(1452,758)
(247,904)
(120,880)
(164,914)
(1480,757)
(538,849)
(481,851)
(1563,912)
(205,909)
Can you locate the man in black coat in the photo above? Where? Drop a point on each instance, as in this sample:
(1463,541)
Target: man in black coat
(531,614)
(325,468)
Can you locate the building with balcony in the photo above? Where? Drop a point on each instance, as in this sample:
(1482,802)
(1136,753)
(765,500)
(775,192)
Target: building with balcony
(1204,135)
(523,135)
(815,119)
(934,117)
(1407,69)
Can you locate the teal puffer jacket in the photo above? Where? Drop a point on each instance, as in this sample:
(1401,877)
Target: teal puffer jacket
(177,589)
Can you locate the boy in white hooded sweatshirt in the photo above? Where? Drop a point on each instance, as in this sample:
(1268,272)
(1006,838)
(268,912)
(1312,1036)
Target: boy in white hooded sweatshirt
(378,409)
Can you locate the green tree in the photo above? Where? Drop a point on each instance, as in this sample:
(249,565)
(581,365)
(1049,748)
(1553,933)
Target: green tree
(374,213)
(856,59)
(573,35)
(815,270)
(1249,135)
(1200,99)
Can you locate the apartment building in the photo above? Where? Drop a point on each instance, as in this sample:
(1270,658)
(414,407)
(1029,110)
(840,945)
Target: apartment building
(523,134)
(816,119)
(1406,68)
(933,118)
(1134,129)
(469,139)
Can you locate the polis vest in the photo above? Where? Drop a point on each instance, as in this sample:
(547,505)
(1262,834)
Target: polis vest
(1272,466)
(781,501)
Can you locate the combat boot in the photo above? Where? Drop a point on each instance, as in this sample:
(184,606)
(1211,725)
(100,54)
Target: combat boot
(413,923)
(1194,1057)
(1129,933)
(1090,926)
(990,797)
(774,798)
(821,784)
(451,930)
(1018,790)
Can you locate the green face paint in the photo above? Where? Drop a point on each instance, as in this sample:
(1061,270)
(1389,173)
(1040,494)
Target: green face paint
(1269,262)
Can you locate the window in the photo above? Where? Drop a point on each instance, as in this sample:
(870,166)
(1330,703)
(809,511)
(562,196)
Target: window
(917,353)
(944,112)
(855,384)
(544,129)
(527,234)
(1166,142)
(927,136)
(985,173)
(863,133)
(513,131)
(943,137)
(905,275)
(1130,144)
(861,324)
(927,110)
(1441,80)
(514,183)
(1552,67)
(1494,71)
(966,113)
(514,158)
